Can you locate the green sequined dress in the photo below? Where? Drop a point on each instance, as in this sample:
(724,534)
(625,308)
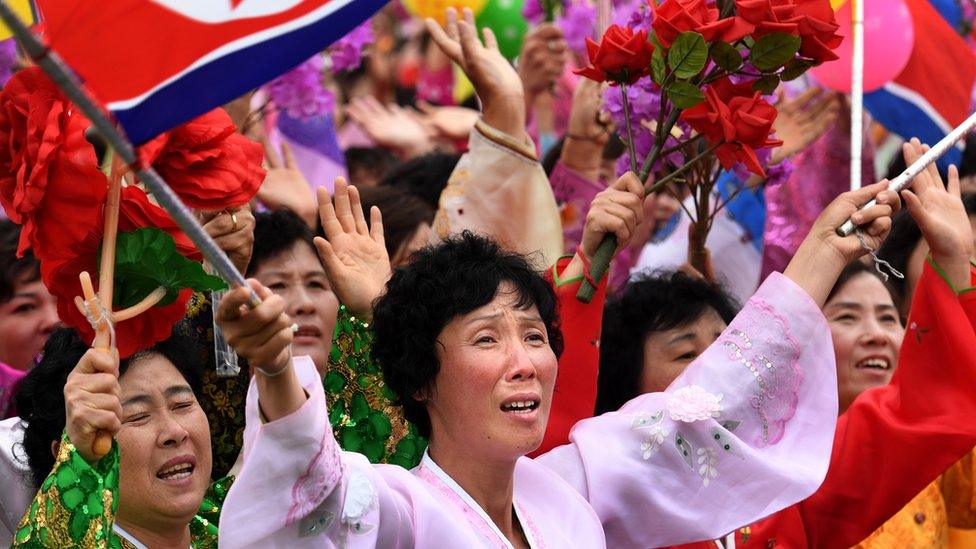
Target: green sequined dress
(362,412)
(77,504)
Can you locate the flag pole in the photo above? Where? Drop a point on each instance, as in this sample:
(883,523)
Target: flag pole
(64,78)
(857,91)
(933,154)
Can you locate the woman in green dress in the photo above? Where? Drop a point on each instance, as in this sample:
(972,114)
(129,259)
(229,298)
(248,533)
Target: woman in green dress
(149,489)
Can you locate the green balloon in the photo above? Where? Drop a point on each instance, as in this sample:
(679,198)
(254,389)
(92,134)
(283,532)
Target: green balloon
(504,18)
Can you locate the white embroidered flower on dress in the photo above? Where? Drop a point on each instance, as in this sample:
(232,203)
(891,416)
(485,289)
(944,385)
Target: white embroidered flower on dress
(360,498)
(692,403)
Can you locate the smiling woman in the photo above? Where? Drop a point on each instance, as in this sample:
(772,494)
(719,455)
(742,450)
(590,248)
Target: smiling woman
(862,311)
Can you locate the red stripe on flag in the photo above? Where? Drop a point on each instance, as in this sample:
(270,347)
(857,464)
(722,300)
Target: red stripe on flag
(942,68)
(124,48)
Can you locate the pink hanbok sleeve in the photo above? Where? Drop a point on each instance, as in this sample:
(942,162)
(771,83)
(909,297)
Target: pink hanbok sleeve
(298,489)
(745,431)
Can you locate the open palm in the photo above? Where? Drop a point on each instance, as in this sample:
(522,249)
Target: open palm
(354,254)
(938,209)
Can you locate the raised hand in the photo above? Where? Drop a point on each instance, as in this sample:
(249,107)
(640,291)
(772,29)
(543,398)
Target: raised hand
(233,231)
(542,59)
(285,187)
(354,255)
(91,400)
(495,80)
(616,210)
(391,127)
(263,335)
(588,130)
(824,254)
(802,120)
(452,123)
(940,214)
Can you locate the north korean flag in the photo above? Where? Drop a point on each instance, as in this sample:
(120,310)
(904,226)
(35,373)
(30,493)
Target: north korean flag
(158,63)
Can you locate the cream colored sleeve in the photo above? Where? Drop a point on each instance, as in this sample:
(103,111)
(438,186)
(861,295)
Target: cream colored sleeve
(498,189)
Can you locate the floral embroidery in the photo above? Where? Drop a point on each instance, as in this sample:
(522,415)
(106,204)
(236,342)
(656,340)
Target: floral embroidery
(692,403)
(360,499)
(777,373)
(724,443)
(685,449)
(707,461)
(656,433)
(324,472)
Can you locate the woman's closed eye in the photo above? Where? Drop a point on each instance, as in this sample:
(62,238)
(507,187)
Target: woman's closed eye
(136,418)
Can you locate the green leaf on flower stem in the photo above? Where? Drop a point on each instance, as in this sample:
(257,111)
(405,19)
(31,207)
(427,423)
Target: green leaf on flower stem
(658,70)
(766,84)
(774,50)
(688,54)
(726,56)
(795,69)
(146,259)
(684,95)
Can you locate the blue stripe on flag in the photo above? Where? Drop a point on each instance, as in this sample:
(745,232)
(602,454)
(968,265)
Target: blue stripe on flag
(905,118)
(232,75)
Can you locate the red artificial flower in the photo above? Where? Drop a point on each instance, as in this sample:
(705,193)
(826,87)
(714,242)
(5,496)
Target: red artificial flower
(768,16)
(812,20)
(818,30)
(49,178)
(737,119)
(207,163)
(61,276)
(673,17)
(622,56)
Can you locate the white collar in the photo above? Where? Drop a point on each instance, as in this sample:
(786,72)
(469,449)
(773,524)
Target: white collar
(119,531)
(429,464)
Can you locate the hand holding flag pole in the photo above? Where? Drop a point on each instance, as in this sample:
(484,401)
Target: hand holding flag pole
(905,178)
(98,307)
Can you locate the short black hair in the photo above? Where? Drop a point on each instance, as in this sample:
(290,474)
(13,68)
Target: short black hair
(649,304)
(375,162)
(13,269)
(857,268)
(424,176)
(443,282)
(274,233)
(40,399)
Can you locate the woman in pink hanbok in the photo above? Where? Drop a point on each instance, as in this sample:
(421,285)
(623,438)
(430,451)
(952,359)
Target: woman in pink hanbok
(467,337)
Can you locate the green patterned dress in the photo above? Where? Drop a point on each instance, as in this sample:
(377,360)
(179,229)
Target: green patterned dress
(77,503)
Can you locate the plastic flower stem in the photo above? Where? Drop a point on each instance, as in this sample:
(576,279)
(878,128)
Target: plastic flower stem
(630,130)
(65,78)
(663,132)
(673,175)
(600,262)
(106,267)
(680,146)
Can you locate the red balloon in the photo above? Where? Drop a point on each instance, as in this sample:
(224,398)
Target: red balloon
(889,36)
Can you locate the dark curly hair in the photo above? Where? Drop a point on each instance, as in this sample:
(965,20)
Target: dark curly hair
(40,399)
(653,303)
(444,282)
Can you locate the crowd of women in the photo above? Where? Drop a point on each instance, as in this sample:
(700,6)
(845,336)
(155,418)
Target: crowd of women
(420,373)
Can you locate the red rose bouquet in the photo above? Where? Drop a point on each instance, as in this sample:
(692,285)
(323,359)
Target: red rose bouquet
(711,63)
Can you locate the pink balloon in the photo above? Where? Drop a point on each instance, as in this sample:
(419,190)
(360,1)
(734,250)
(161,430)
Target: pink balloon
(889,36)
